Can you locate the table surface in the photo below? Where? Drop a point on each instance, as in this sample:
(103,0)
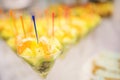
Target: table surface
(104,37)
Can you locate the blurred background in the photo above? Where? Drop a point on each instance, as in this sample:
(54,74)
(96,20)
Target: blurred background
(105,37)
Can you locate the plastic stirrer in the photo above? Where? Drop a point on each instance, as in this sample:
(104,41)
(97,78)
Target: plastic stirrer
(21,18)
(1,11)
(14,21)
(53,15)
(33,18)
